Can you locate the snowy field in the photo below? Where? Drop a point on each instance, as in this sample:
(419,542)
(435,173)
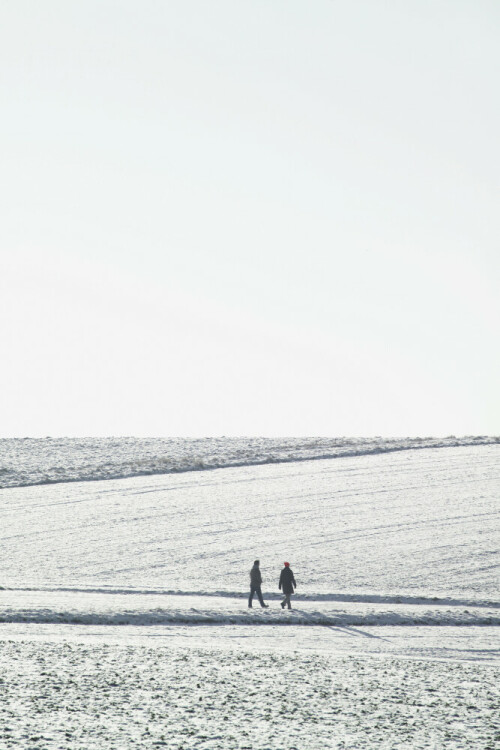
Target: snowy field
(123,617)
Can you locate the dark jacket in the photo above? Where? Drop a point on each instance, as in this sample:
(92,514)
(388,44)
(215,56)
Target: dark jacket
(255,576)
(287,581)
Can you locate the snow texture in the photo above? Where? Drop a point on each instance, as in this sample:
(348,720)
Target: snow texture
(412,523)
(123,613)
(29,461)
(96,696)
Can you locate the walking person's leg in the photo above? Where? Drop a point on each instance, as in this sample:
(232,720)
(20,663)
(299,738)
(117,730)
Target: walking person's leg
(261,600)
(252,591)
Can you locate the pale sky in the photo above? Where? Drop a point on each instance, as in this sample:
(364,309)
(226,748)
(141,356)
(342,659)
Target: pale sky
(270,217)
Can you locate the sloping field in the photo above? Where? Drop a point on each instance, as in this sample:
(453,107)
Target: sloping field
(418,523)
(123,617)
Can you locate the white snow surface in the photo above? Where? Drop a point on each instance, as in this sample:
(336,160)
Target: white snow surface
(86,695)
(124,621)
(411,523)
(30,461)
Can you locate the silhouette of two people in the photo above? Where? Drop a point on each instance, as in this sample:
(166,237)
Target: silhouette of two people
(286,584)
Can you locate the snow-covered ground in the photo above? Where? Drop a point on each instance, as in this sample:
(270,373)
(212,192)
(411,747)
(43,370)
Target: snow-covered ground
(419,523)
(28,461)
(69,693)
(124,623)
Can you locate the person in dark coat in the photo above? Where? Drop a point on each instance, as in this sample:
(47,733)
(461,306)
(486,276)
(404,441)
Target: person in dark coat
(255,584)
(287,585)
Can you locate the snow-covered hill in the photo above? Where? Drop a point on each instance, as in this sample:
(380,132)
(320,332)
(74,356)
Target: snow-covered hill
(404,528)
(29,461)
(123,617)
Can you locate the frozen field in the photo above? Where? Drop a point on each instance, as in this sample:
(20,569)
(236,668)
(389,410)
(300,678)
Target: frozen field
(123,618)
(84,693)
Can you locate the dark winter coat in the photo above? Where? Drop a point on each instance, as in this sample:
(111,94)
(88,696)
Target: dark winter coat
(255,576)
(287,581)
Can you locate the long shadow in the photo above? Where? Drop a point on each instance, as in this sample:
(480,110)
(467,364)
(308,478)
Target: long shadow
(355,631)
(342,628)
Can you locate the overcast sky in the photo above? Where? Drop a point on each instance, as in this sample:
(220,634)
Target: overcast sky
(270,217)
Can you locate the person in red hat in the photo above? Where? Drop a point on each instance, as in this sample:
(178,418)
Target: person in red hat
(287,585)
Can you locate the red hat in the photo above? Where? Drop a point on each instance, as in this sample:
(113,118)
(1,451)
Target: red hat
(287,564)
